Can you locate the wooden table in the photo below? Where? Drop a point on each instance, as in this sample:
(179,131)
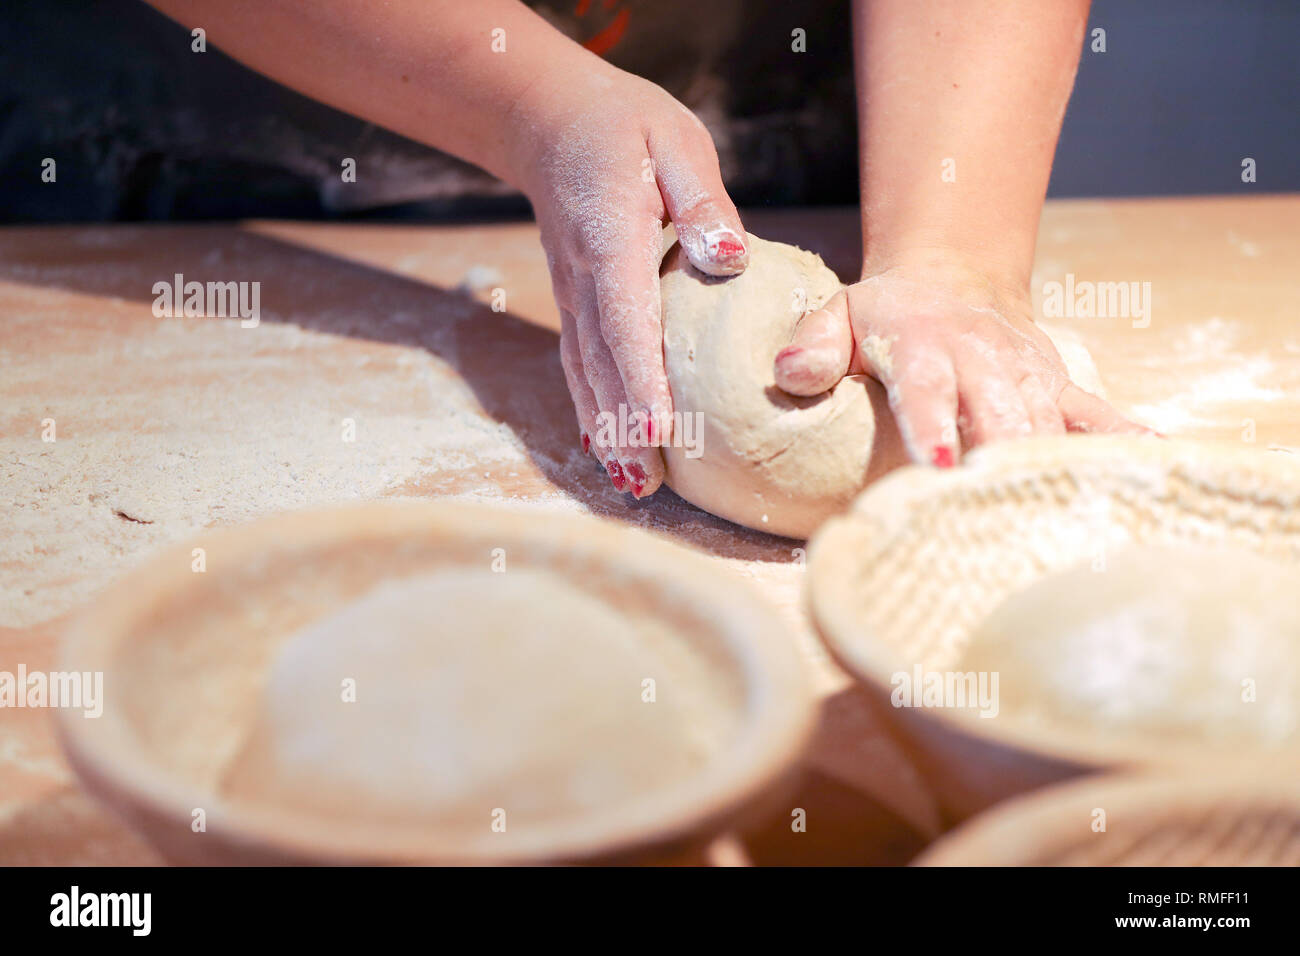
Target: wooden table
(164,426)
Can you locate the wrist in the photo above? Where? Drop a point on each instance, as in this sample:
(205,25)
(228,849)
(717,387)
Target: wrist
(1003,271)
(552,104)
(977,278)
(985,229)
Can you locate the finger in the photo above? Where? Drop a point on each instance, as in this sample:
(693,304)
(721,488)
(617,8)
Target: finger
(1085,412)
(584,399)
(820,352)
(922,389)
(707,224)
(607,388)
(992,401)
(638,470)
(1044,415)
(627,300)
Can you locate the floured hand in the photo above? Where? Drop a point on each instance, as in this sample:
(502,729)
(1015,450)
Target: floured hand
(961,359)
(610,158)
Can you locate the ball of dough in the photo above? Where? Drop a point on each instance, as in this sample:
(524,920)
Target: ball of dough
(744,449)
(1169,643)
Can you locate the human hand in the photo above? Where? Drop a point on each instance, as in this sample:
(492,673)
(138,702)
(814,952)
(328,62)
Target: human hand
(608,158)
(958,353)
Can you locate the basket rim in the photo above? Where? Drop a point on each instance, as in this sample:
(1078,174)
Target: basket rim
(888,506)
(777,718)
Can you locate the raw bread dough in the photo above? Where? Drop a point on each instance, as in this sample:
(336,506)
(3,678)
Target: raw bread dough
(1159,643)
(475,691)
(767,459)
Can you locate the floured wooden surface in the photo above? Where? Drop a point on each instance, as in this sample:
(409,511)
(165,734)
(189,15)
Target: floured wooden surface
(167,426)
(1221,356)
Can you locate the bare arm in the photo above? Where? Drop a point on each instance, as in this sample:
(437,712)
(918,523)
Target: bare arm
(422,68)
(975,88)
(605,158)
(960,104)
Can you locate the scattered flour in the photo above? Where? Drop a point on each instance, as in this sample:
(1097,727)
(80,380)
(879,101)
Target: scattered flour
(218,425)
(1210,374)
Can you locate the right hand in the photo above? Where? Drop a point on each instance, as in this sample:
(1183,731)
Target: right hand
(606,158)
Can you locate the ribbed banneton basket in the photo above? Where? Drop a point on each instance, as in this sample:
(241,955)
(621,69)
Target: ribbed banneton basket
(185,656)
(1208,819)
(905,577)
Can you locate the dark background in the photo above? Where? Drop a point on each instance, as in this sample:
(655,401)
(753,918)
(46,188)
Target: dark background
(142,128)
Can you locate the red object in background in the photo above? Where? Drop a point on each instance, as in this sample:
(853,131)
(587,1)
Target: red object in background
(604,41)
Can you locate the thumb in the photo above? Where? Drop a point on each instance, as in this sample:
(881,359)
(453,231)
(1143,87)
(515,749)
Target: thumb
(707,224)
(820,353)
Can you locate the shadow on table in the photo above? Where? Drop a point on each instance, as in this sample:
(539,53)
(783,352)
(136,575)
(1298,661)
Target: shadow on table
(511,365)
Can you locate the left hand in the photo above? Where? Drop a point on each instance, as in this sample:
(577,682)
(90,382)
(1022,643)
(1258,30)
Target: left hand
(959,355)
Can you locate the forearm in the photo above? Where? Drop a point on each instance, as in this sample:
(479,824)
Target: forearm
(422,68)
(960,104)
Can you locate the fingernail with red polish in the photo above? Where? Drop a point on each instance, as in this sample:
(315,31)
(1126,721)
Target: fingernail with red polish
(586,443)
(942,456)
(636,478)
(615,474)
(725,247)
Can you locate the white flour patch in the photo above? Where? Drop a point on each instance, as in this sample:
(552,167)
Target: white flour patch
(215,425)
(877,350)
(1211,338)
(1244,247)
(1202,401)
(1214,381)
